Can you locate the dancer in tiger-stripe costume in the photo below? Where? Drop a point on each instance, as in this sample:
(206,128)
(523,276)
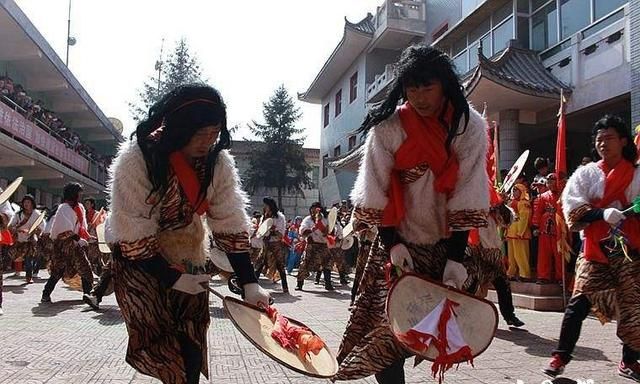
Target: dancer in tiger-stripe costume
(70,240)
(607,276)
(316,257)
(170,180)
(24,247)
(419,182)
(272,257)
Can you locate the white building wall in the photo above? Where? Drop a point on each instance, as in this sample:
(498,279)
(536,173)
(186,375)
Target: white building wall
(341,127)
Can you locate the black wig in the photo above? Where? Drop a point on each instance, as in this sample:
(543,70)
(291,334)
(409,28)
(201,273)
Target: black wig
(71,192)
(31,199)
(170,125)
(273,206)
(421,65)
(629,152)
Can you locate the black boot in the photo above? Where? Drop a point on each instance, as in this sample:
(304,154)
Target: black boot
(327,280)
(299,286)
(283,279)
(318,275)
(343,279)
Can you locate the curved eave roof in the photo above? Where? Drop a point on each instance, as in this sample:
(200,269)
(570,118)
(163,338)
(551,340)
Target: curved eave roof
(520,70)
(354,40)
(350,160)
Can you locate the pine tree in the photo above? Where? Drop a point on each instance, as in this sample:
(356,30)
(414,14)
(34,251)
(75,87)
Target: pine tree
(278,161)
(181,67)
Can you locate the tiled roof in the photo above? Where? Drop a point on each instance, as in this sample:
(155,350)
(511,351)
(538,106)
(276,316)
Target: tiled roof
(365,25)
(519,69)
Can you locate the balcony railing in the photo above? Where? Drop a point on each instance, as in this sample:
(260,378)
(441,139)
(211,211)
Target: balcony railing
(40,137)
(400,10)
(380,82)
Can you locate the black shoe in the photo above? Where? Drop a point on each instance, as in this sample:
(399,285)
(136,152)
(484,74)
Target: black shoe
(299,286)
(45,298)
(91,300)
(329,287)
(514,322)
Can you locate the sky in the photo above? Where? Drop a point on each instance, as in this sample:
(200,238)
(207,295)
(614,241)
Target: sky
(246,49)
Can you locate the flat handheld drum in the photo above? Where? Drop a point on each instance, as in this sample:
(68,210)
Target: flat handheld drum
(413,297)
(332,218)
(264,228)
(256,326)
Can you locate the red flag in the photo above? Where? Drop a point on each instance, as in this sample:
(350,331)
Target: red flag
(495,160)
(561,151)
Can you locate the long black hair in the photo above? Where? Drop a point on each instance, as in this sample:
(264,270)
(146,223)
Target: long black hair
(421,65)
(629,152)
(170,125)
(31,199)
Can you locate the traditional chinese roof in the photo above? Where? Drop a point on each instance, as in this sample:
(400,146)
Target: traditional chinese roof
(354,40)
(518,69)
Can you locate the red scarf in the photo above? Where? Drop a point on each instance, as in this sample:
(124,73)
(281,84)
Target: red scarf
(188,180)
(425,143)
(616,182)
(82,231)
(90,214)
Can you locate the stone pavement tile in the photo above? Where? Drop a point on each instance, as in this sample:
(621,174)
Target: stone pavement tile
(65,342)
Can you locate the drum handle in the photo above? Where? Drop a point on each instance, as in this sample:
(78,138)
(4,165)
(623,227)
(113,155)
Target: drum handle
(221,297)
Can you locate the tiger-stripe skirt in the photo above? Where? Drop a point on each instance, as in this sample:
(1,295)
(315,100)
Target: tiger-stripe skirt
(614,292)
(368,344)
(157,319)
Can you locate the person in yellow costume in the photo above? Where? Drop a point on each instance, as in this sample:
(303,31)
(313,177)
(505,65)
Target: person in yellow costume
(519,233)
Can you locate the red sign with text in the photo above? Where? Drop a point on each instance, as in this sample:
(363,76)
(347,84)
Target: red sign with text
(14,123)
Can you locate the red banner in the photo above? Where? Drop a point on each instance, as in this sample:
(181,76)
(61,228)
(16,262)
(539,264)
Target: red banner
(14,123)
(561,150)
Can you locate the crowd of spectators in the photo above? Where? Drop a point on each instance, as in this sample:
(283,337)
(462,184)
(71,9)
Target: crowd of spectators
(35,111)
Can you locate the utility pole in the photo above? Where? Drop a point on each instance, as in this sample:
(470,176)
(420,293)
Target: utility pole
(159,66)
(70,40)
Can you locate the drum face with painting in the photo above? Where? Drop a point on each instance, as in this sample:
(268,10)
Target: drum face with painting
(256,326)
(412,298)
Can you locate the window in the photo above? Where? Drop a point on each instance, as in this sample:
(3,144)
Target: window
(459,46)
(604,7)
(535,4)
(523,6)
(353,87)
(480,30)
(501,14)
(574,15)
(352,142)
(523,32)
(338,102)
(325,170)
(460,62)
(325,115)
(544,28)
(502,35)
(336,151)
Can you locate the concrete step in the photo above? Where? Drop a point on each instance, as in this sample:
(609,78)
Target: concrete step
(534,302)
(536,289)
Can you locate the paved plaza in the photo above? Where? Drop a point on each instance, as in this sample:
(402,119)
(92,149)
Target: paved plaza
(66,342)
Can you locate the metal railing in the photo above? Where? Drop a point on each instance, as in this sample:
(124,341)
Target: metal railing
(96,171)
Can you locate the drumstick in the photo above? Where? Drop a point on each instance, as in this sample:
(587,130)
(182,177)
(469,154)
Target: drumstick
(222,297)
